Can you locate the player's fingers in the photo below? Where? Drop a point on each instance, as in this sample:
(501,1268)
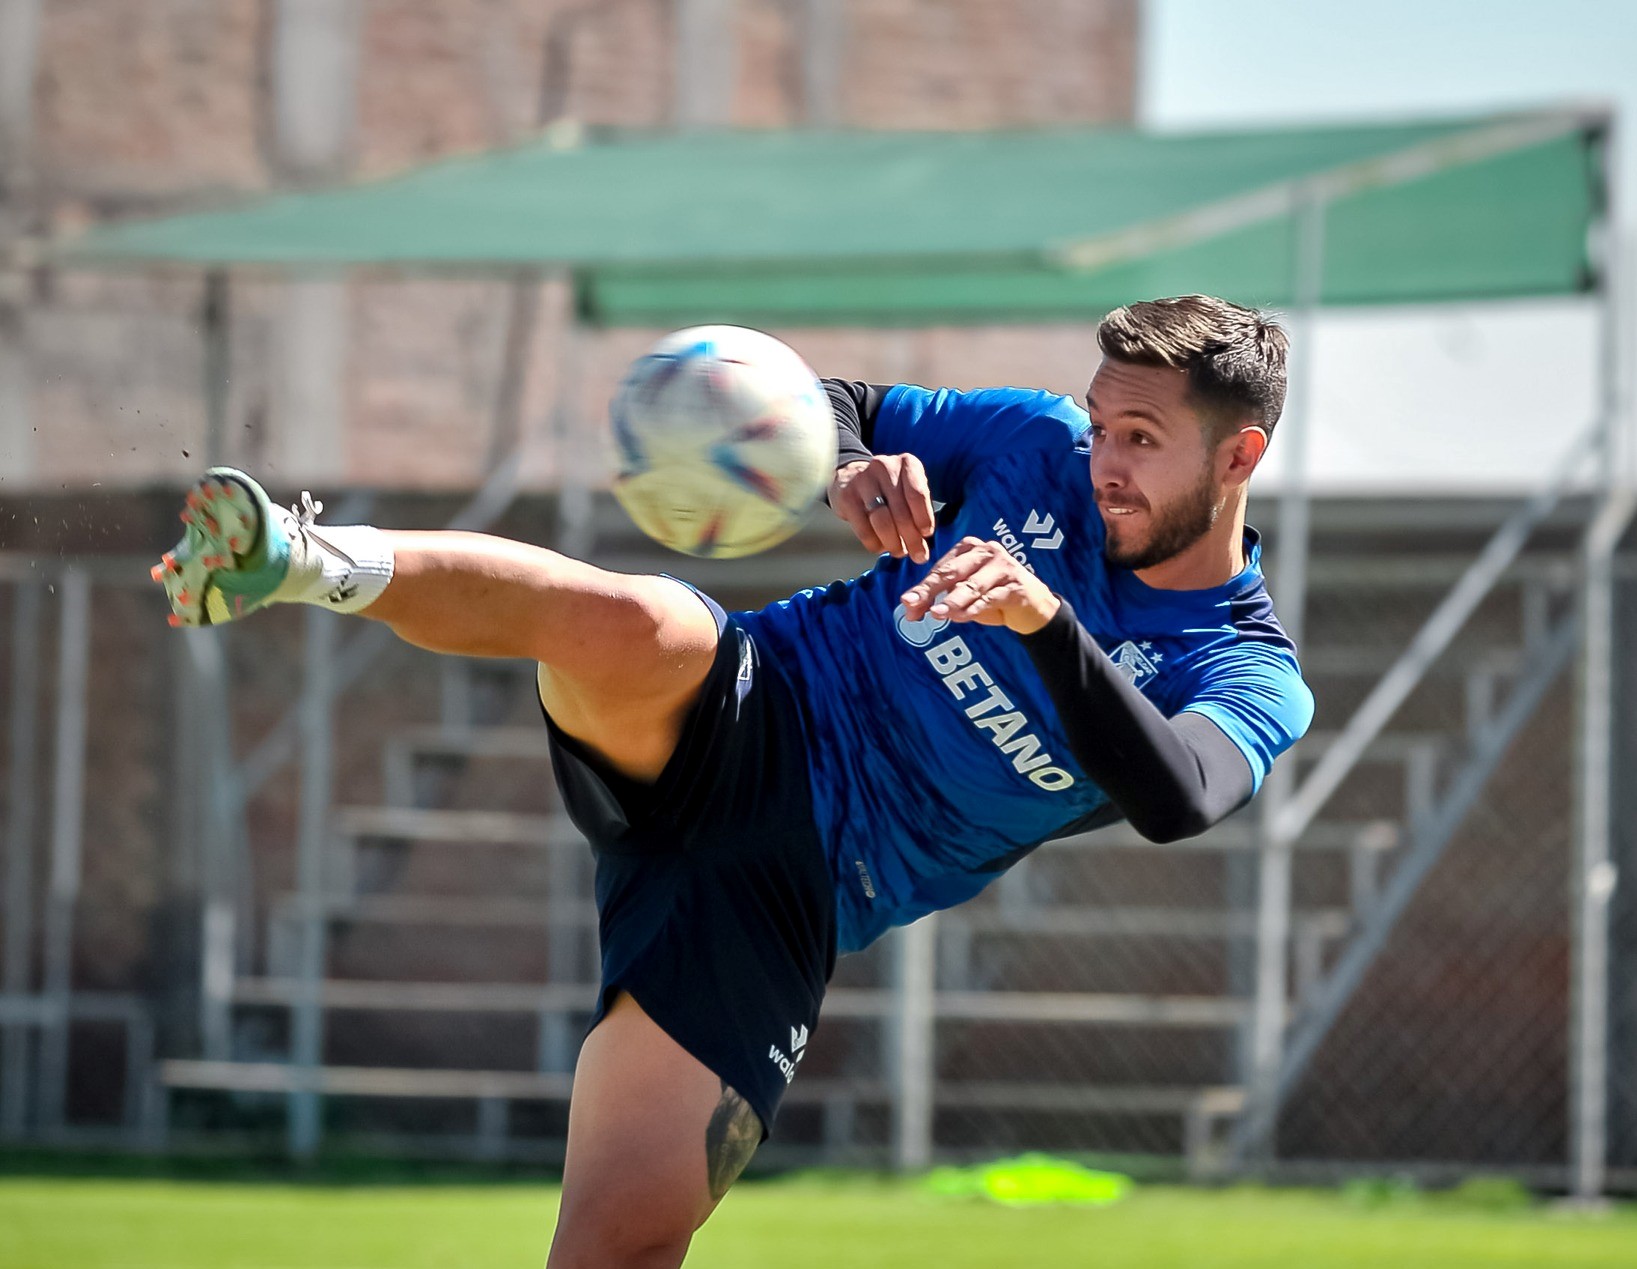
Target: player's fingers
(884,520)
(958,563)
(850,505)
(989,607)
(903,523)
(918,497)
(986,580)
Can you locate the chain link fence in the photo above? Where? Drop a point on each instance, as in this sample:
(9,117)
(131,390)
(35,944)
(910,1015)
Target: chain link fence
(1098,1000)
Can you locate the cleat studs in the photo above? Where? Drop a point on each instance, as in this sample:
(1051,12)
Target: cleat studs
(186,517)
(211,492)
(235,545)
(173,619)
(211,525)
(184,598)
(157,572)
(194,499)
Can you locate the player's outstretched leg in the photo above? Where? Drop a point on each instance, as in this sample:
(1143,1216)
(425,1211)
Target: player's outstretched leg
(621,656)
(654,1142)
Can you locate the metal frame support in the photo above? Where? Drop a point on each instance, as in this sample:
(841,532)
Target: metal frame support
(215,333)
(67,825)
(1594,871)
(1594,878)
(18,966)
(705,35)
(1273,890)
(576,532)
(305,1126)
(822,41)
(1432,836)
(219,838)
(914,1054)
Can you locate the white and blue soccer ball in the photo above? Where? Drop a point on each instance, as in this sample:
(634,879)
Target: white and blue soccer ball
(725,439)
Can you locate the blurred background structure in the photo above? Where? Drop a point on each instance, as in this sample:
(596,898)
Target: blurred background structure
(292,883)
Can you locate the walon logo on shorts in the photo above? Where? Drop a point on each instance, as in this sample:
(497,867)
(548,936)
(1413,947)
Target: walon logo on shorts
(798,1049)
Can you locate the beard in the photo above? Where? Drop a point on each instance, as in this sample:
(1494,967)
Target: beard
(1172,530)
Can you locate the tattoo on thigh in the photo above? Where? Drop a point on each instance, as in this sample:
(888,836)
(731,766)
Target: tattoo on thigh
(731,1138)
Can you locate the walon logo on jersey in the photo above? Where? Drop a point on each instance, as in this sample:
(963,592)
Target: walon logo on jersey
(1137,661)
(798,1050)
(918,632)
(1040,533)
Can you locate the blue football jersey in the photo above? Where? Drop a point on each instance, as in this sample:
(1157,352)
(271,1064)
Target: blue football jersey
(937,756)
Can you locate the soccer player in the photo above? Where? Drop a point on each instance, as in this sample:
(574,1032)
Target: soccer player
(1068,626)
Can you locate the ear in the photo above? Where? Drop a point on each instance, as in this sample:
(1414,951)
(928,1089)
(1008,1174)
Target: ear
(1237,455)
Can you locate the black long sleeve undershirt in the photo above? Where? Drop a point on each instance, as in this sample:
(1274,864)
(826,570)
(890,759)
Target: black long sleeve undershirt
(1171,777)
(854,405)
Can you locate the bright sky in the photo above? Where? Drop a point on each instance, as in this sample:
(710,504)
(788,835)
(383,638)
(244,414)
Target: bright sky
(1437,398)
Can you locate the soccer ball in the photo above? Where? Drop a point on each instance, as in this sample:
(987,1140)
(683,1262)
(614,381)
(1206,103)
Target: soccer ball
(725,439)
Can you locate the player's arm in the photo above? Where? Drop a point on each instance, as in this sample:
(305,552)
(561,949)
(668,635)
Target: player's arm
(905,448)
(885,498)
(1170,777)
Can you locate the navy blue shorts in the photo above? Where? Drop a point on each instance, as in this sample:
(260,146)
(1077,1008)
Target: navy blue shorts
(716,912)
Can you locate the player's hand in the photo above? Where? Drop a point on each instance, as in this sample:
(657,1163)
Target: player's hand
(979,581)
(888,504)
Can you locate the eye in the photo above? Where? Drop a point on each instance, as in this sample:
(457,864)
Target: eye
(1096,431)
(1141,438)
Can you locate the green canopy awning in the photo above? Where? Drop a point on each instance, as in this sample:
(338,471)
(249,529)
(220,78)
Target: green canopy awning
(805,228)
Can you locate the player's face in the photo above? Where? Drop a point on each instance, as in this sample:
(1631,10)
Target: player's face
(1152,471)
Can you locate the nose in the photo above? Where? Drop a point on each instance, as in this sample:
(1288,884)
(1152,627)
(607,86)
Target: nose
(1107,469)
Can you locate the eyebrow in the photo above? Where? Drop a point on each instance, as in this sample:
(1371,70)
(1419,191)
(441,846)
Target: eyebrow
(1137,413)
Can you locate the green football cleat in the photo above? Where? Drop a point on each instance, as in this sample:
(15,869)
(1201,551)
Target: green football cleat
(234,554)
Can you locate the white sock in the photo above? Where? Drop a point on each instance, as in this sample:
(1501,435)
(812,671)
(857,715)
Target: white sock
(342,567)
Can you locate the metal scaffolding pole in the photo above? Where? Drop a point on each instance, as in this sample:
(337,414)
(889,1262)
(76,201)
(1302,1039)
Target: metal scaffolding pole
(67,823)
(15,1049)
(1295,524)
(914,1056)
(307,1039)
(1594,873)
(217,836)
(576,534)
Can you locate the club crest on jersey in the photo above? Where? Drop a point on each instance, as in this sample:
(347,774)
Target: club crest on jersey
(1137,661)
(919,633)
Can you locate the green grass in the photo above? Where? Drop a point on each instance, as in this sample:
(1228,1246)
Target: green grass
(858,1223)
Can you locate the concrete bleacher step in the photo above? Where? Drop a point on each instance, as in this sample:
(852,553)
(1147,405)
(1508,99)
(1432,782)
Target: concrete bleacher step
(501,741)
(476,828)
(441,910)
(1201,1108)
(1053,919)
(507,741)
(282,1077)
(506,828)
(1389,746)
(1071,920)
(1111,1008)
(1344,661)
(1241,833)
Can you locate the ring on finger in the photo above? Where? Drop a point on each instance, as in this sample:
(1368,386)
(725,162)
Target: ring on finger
(875,503)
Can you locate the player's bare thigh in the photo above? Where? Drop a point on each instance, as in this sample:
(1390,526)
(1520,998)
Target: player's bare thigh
(654,1141)
(629,706)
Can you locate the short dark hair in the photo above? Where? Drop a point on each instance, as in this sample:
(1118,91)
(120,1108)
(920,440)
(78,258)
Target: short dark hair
(1234,356)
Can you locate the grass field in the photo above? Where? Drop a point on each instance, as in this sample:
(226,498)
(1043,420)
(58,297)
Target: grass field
(49,1223)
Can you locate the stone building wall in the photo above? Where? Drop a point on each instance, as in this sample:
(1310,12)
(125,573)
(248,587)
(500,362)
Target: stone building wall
(152,108)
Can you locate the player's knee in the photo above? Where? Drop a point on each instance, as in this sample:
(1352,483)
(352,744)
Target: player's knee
(625,1234)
